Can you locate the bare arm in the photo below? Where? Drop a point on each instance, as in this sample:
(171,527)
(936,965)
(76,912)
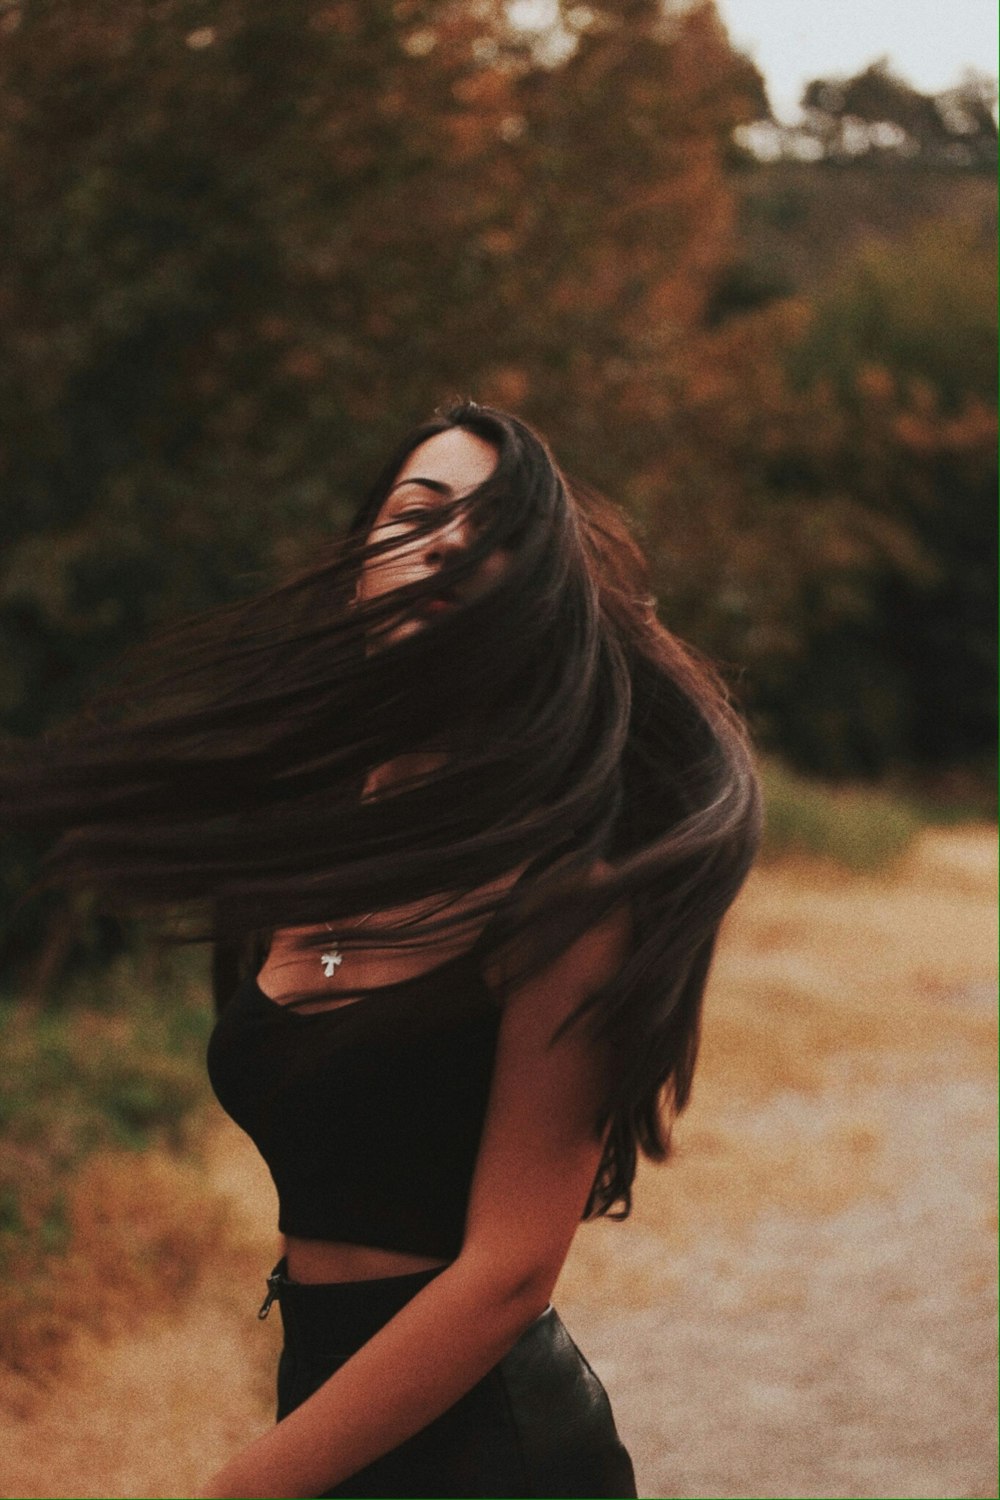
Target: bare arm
(535,1169)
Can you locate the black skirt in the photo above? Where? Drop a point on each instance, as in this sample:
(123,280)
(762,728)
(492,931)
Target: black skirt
(539,1424)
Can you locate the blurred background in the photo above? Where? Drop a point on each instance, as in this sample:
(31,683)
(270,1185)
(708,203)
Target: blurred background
(243,246)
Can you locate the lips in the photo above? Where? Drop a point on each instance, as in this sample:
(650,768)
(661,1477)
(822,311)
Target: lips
(441,603)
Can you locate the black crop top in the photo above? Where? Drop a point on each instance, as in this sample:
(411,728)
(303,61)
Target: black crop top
(368,1115)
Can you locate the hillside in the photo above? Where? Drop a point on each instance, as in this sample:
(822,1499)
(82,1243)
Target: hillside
(797,221)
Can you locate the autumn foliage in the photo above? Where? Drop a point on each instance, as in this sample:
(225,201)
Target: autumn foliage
(245,244)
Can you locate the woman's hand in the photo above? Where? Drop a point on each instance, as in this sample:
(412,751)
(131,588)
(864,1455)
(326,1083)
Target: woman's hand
(270,1467)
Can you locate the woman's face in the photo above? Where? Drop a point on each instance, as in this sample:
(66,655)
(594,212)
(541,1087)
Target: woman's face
(445,468)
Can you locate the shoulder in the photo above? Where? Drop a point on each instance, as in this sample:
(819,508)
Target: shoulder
(556,986)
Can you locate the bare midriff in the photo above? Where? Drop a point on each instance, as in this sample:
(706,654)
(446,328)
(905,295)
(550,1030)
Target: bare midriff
(327,1260)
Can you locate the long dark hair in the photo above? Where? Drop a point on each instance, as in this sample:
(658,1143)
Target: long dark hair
(223,777)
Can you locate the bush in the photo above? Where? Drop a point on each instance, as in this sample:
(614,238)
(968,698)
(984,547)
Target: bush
(861,828)
(122,1074)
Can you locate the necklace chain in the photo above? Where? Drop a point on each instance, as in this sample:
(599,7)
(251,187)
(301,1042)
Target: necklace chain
(331,958)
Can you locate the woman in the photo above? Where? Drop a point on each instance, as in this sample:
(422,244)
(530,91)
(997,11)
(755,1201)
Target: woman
(489,815)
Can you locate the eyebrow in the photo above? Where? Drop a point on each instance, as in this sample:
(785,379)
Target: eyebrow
(436,485)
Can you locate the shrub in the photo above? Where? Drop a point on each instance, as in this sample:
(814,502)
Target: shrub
(862,828)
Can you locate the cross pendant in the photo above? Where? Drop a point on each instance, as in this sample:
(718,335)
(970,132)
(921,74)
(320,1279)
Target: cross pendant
(331,960)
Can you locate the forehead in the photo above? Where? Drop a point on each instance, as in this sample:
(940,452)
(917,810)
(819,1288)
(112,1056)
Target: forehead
(456,458)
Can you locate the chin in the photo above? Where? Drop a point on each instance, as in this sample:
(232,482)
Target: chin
(401,631)
(405,629)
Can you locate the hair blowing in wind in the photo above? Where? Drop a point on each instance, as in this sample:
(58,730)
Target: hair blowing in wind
(555,723)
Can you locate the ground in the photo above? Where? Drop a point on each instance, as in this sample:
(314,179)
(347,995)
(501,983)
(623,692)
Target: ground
(803,1304)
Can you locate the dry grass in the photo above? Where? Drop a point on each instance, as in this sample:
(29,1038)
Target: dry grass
(170,1372)
(102,1201)
(140,1235)
(826,984)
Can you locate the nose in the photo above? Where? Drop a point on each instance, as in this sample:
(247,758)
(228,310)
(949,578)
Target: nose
(452,536)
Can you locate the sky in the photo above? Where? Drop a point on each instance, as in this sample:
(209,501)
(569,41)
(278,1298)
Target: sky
(929,42)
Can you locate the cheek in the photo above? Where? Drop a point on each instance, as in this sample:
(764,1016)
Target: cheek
(496,565)
(387,571)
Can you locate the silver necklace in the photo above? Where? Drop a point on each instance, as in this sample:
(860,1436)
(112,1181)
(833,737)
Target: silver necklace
(332,958)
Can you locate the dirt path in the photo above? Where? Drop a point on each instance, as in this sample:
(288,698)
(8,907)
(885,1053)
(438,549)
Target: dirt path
(803,1305)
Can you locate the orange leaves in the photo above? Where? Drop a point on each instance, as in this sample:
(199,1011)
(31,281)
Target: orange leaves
(240,267)
(927,432)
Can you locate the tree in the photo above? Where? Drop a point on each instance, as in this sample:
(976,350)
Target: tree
(876,115)
(205,348)
(622,224)
(245,244)
(827,513)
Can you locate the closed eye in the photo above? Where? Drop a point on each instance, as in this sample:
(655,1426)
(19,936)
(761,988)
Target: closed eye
(416,511)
